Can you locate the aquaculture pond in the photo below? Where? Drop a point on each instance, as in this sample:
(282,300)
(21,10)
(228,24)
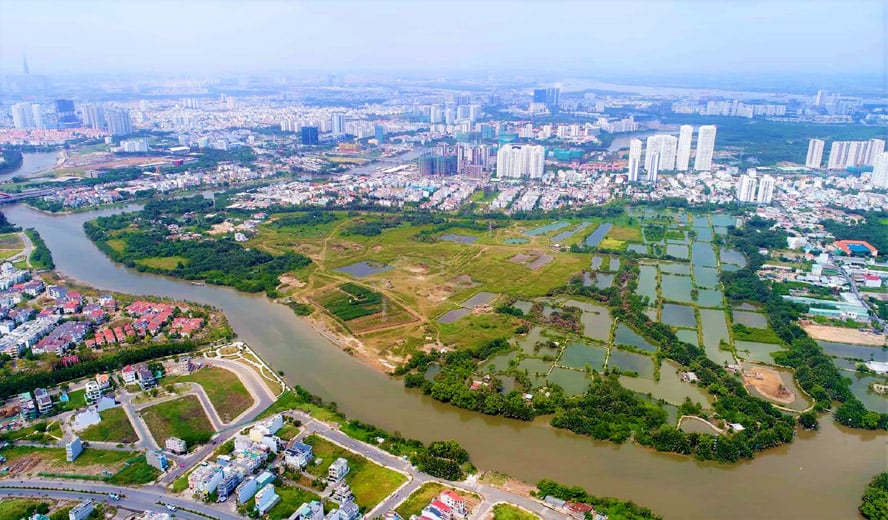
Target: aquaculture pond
(542,230)
(462,239)
(598,235)
(860,387)
(755,320)
(755,351)
(630,361)
(715,329)
(578,355)
(676,288)
(564,235)
(363,269)
(678,316)
(647,281)
(574,382)
(669,388)
(626,336)
(452,316)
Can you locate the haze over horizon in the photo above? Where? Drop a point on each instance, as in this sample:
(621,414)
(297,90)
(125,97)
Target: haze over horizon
(635,38)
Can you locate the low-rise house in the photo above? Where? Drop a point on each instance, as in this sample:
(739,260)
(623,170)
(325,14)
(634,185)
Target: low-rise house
(298,455)
(145,377)
(309,511)
(104,381)
(93,391)
(73,449)
(6,326)
(245,490)
(205,479)
(157,459)
(43,400)
(269,426)
(128,373)
(176,445)
(231,477)
(454,501)
(342,494)
(338,470)
(82,510)
(347,511)
(441,509)
(27,406)
(266,498)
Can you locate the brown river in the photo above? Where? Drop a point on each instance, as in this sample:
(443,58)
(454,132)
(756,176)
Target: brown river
(820,475)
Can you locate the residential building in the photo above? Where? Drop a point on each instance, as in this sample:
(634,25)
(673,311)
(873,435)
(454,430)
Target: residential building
(82,510)
(338,470)
(23,116)
(746,189)
(634,159)
(346,511)
(298,455)
(880,171)
(205,479)
(43,400)
(119,121)
(664,146)
(266,498)
(145,377)
(516,161)
(342,494)
(454,501)
(93,391)
(851,154)
(157,459)
(337,124)
(765,190)
(246,490)
(313,510)
(683,154)
(815,154)
(705,148)
(73,449)
(176,445)
(654,170)
(128,373)
(27,407)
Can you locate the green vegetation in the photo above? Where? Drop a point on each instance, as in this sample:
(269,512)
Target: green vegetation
(871,227)
(370,482)
(11,384)
(510,512)
(41,257)
(12,159)
(416,502)
(615,509)
(219,261)
(183,418)
(744,333)
(352,301)
(19,508)
(115,427)
(291,498)
(814,370)
(135,472)
(226,391)
(874,505)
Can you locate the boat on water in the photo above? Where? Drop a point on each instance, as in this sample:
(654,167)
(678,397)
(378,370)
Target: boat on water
(198,283)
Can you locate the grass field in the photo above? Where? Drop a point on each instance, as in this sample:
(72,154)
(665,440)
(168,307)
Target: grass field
(369,482)
(416,502)
(11,241)
(625,234)
(183,418)
(510,512)
(158,262)
(117,244)
(17,508)
(115,427)
(228,394)
(291,499)
(134,473)
(76,400)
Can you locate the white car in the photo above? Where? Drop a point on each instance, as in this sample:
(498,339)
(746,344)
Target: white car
(171,507)
(113,496)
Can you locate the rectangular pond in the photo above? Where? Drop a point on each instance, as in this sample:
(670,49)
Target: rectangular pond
(706,277)
(860,387)
(564,235)
(755,351)
(703,255)
(362,269)
(647,282)
(677,251)
(676,288)
(710,298)
(482,298)
(573,382)
(626,336)
(535,367)
(732,256)
(678,316)
(631,362)
(542,230)
(578,355)
(598,235)
(641,249)
(688,336)
(755,320)
(452,316)
(675,268)
(863,352)
(669,388)
(462,239)
(715,329)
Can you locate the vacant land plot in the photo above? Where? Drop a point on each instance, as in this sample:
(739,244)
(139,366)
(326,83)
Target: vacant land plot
(350,301)
(228,394)
(135,472)
(369,482)
(291,499)
(92,462)
(844,335)
(183,418)
(115,427)
(168,263)
(510,512)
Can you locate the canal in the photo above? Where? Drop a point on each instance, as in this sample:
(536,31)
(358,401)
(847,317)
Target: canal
(820,475)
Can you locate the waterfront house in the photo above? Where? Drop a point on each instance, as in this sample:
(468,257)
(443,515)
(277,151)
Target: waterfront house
(454,501)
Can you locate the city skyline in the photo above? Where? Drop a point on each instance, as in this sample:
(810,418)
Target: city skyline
(269,36)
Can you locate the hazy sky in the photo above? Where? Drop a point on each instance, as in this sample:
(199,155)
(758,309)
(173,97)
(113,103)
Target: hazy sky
(631,37)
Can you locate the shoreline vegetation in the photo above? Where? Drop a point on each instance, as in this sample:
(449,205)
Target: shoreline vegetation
(606,410)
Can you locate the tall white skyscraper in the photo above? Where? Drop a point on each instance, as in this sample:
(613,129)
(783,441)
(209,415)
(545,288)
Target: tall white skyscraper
(746,186)
(23,116)
(338,124)
(705,148)
(634,159)
(520,161)
(654,170)
(683,157)
(848,154)
(664,146)
(765,190)
(880,171)
(875,149)
(118,121)
(815,154)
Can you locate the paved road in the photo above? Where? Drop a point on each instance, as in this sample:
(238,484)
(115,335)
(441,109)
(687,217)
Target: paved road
(491,494)
(875,315)
(134,499)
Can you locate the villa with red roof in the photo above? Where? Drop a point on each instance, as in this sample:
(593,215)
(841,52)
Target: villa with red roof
(854,248)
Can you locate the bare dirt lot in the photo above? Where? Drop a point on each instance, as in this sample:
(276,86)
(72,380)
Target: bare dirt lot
(844,335)
(767,381)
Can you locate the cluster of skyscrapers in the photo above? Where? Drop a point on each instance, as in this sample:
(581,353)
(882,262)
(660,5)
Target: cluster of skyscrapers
(844,154)
(516,161)
(26,116)
(663,152)
(754,189)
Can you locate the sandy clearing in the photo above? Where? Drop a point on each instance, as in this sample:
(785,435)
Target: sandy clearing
(844,335)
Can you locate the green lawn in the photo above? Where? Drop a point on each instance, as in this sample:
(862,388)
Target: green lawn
(115,427)
(76,400)
(158,262)
(16,508)
(420,498)
(510,512)
(369,482)
(183,418)
(229,396)
(291,499)
(287,432)
(136,472)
